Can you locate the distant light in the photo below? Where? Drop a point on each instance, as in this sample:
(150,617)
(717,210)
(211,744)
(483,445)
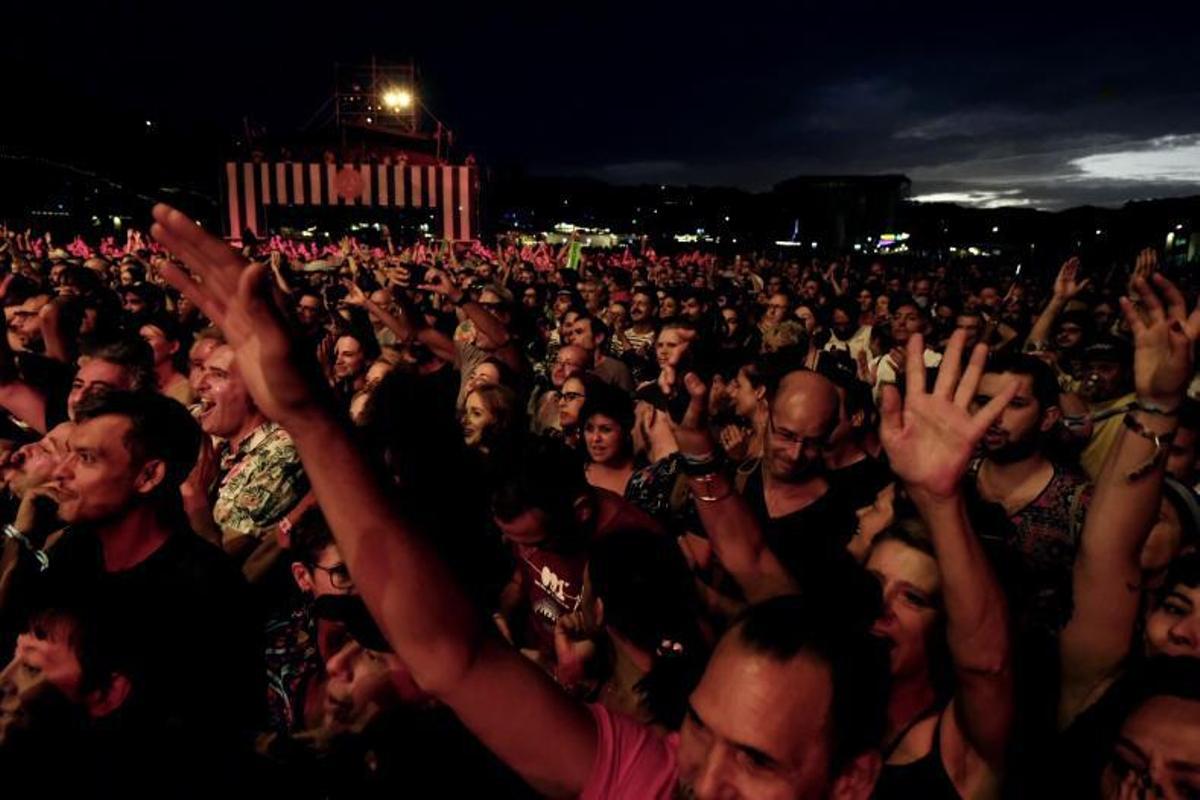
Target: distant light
(814,244)
(727,219)
(369,120)
(1099,232)
(1178,227)
(116,222)
(858,247)
(995,229)
(149,124)
(397,99)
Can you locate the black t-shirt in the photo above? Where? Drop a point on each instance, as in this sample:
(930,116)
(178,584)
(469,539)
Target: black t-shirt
(807,542)
(861,481)
(188,630)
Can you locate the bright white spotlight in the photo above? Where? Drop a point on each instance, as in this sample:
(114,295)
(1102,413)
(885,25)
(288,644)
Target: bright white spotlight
(397,99)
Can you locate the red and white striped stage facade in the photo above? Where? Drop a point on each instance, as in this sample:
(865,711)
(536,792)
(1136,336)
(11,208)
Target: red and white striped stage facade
(251,189)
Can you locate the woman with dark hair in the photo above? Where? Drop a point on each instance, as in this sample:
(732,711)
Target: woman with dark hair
(353,353)
(607,418)
(575,392)
(170,345)
(493,371)
(640,605)
(492,419)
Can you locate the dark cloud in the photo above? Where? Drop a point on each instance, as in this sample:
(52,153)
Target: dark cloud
(1048,104)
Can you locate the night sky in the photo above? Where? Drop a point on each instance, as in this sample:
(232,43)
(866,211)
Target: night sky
(1041,104)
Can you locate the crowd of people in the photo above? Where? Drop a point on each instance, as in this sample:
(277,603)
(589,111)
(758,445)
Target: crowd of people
(520,521)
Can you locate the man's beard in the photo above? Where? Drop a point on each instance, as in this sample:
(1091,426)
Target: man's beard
(1011,452)
(799,471)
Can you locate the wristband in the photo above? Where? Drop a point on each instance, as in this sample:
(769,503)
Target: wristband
(42,557)
(696,467)
(1152,408)
(709,495)
(1162,447)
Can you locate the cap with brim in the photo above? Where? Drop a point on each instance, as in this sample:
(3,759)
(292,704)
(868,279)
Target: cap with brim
(351,611)
(1109,352)
(1187,506)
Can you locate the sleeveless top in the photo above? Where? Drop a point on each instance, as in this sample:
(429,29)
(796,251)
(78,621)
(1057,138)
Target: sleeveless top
(925,778)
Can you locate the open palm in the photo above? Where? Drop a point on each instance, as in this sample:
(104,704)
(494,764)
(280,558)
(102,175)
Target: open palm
(236,296)
(1164,339)
(930,436)
(1066,285)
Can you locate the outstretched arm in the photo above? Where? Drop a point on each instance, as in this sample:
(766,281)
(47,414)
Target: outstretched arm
(426,616)
(484,320)
(929,438)
(1065,287)
(1108,575)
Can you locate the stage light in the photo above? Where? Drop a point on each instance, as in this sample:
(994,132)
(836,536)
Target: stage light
(397,99)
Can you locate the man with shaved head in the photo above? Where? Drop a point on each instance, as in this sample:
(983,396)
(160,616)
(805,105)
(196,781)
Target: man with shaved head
(570,362)
(807,520)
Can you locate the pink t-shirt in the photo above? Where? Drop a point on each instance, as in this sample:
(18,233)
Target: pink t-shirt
(631,760)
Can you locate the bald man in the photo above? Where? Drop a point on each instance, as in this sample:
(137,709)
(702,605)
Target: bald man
(807,519)
(570,362)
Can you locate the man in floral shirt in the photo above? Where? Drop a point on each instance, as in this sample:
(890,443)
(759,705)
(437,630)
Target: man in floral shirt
(244,487)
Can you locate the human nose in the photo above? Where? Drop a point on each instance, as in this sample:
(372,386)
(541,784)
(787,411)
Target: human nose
(1186,633)
(713,781)
(65,468)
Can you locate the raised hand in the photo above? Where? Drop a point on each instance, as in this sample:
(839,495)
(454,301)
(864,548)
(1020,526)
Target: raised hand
(1164,340)
(930,436)
(237,296)
(439,282)
(691,433)
(1067,285)
(735,441)
(355,296)
(1146,264)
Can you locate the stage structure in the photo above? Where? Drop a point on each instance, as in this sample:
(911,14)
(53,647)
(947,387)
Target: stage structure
(373,144)
(254,189)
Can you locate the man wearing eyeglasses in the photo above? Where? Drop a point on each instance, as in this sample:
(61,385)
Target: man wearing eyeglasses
(571,361)
(805,518)
(295,668)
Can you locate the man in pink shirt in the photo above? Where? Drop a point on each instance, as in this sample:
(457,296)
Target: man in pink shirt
(790,706)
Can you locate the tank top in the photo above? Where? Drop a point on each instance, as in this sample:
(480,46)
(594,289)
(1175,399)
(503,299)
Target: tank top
(925,778)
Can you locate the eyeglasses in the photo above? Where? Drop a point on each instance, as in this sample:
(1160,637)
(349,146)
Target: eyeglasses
(339,576)
(789,438)
(571,397)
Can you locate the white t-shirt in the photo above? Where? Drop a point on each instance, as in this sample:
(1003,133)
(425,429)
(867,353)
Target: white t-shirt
(859,342)
(886,371)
